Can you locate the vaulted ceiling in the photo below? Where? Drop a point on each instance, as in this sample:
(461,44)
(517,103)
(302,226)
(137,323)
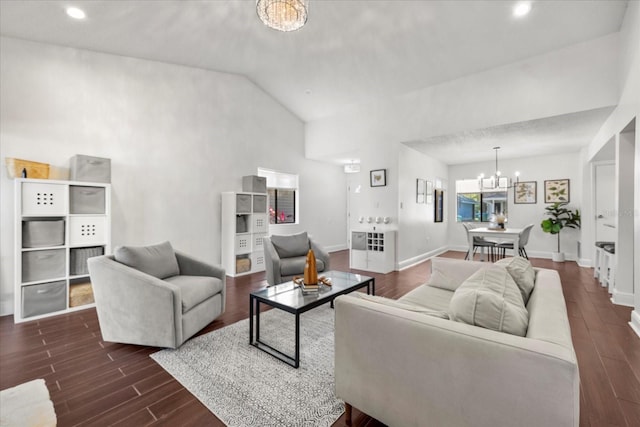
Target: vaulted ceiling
(347,53)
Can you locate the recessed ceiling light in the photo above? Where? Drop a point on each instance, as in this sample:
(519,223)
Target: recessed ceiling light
(76,13)
(521,9)
(308,91)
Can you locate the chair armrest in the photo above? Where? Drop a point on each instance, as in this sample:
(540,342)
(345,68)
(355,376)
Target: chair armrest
(319,252)
(134,307)
(400,366)
(190,266)
(271,262)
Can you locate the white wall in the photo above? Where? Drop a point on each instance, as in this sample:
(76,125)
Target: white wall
(539,169)
(418,236)
(177,137)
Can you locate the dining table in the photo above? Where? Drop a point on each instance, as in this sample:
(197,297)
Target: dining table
(502,234)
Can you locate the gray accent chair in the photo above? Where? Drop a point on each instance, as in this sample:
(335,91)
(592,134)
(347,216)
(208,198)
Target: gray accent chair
(155,296)
(285,257)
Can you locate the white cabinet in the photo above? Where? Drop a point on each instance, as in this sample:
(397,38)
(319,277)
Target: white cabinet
(244,223)
(373,250)
(58,225)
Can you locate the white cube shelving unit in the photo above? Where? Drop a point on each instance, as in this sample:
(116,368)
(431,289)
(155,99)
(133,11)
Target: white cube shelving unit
(373,250)
(245,222)
(46,274)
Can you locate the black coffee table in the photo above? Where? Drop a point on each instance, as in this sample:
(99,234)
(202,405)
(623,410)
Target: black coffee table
(289,297)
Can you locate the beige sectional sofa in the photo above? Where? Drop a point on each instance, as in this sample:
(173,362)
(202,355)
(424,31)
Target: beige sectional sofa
(408,366)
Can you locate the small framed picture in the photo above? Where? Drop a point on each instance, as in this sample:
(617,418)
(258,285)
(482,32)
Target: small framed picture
(525,192)
(439,206)
(429,192)
(556,190)
(419,190)
(378,177)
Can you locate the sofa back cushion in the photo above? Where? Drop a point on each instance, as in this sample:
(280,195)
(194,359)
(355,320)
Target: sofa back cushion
(490,299)
(400,304)
(522,273)
(291,246)
(450,273)
(156,260)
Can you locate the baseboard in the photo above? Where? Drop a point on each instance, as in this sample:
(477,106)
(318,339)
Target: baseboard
(6,308)
(622,298)
(635,322)
(403,265)
(336,248)
(585,263)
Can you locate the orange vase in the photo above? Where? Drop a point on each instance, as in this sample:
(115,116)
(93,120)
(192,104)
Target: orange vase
(310,271)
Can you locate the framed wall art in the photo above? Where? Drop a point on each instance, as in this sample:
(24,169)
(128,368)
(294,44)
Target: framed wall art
(556,190)
(438,206)
(378,178)
(429,192)
(419,190)
(525,192)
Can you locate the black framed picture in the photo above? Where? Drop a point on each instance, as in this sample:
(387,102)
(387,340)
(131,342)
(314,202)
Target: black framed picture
(525,192)
(378,177)
(438,206)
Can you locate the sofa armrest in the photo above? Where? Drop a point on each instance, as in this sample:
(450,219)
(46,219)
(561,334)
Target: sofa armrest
(402,368)
(271,262)
(134,307)
(190,266)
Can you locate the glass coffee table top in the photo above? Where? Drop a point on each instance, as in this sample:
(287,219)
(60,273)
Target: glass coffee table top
(290,295)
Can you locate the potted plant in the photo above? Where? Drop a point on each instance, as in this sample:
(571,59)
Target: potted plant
(560,217)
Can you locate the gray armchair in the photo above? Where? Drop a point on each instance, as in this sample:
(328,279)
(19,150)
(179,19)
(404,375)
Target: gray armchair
(154,296)
(285,257)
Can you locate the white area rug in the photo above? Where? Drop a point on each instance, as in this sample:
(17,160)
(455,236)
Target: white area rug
(244,386)
(27,405)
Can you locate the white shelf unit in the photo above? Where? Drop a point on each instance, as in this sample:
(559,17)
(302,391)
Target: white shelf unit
(49,268)
(244,223)
(373,250)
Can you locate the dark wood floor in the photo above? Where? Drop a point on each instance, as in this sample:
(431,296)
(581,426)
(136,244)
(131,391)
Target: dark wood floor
(96,383)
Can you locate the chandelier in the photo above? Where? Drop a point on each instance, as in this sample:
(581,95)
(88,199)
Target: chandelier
(283,15)
(496,181)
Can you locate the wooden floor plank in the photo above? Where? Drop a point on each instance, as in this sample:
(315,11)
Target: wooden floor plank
(98,383)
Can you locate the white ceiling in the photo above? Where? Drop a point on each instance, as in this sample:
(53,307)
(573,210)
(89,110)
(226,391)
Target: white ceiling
(348,53)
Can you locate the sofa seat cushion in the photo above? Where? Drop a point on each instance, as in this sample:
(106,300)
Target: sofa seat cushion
(291,246)
(428,297)
(400,304)
(294,266)
(522,273)
(490,299)
(156,260)
(195,289)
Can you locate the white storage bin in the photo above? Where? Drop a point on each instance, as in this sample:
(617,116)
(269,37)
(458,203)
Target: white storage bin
(257,261)
(243,243)
(44,298)
(86,200)
(42,233)
(44,199)
(243,203)
(90,169)
(258,243)
(87,230)
(260,223)
(42,265)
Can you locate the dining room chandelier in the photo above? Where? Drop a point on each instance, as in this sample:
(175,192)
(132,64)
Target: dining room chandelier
(283,15)
(496,181)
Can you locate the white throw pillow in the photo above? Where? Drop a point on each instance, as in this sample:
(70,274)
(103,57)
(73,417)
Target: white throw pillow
(449,273)
(491,299)
(522,272)
(403,305)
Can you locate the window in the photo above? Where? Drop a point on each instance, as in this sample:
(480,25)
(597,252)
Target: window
(475,205)
(282,190)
